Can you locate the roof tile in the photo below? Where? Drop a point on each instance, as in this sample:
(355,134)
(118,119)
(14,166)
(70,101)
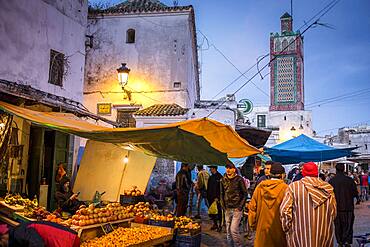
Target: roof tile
(162,110)
(140,6)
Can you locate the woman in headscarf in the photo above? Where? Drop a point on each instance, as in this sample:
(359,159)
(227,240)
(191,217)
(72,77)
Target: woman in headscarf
(67,200)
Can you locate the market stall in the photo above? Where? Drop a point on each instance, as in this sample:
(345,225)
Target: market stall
(305,149)
(121,159)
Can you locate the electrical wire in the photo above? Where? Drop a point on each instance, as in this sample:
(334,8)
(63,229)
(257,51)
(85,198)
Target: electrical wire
(314,24)
(327,7)
(339,97)
(242,74)
(353,124)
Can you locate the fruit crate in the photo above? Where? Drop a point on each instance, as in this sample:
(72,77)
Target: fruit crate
(188,241)
(170,224)
(127,200)
(188,232)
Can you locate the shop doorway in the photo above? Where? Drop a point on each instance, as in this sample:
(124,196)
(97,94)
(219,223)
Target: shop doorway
(48,148)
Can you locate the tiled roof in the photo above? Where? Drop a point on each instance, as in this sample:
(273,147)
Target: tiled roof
(162,110)
(285,15)
(141,6)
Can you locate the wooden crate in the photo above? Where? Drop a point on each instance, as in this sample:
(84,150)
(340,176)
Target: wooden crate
(93,231)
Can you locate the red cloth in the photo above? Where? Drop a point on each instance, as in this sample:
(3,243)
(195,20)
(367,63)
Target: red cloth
(364,180)
(55,235)
(310,170)
(3,229)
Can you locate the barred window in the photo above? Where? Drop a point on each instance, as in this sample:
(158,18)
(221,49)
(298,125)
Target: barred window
(125,118)
(261,121)
(285,44)
(130,36)
(277,45)
(56,68)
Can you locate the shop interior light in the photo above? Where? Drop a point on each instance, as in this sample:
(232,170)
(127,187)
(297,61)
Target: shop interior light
(125,160)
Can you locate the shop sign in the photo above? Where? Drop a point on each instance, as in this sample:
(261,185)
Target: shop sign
(245,105)
(104,108)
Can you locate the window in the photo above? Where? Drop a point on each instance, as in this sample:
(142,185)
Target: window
(261,121)
(130,36)
(277,45)
(284,118)
(125,117)
(285,44)
(301,117)
(56,68)
(366,146)
(292,45)
(177,84)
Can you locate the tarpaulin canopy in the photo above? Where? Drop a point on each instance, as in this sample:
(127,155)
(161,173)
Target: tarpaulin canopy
(202,141)
(304,149)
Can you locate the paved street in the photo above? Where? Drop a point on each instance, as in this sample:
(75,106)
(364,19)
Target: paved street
(362,225)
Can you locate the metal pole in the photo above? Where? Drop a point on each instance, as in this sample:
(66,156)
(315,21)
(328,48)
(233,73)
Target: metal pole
(291,8)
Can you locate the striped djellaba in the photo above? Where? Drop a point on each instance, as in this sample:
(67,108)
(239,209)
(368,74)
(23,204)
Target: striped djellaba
(307,213)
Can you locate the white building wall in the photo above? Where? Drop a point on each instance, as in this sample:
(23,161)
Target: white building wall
(225,116)
(281,123)
(361,140)
(161,55)
(29,29)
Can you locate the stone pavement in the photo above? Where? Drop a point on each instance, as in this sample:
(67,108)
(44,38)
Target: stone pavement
(213,238)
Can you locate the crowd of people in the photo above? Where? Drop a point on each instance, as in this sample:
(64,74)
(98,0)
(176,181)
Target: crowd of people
(302,208)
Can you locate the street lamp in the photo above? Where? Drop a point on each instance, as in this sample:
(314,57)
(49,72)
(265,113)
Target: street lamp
(123,72)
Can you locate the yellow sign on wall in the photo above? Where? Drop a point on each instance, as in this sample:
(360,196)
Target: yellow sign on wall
(104,108)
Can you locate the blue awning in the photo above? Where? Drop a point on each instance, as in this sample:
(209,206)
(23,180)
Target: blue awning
(305,149)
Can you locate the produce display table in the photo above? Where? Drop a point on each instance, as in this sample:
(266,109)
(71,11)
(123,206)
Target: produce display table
(13,208)
(20,216)
(8,220)
(92,231)
(157,241)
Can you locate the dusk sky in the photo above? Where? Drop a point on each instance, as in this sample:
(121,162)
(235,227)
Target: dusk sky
(336,61)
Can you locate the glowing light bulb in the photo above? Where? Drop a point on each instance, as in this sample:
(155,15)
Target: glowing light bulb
(125,160)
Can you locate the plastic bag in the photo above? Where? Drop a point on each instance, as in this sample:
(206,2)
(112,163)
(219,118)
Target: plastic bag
(213,208)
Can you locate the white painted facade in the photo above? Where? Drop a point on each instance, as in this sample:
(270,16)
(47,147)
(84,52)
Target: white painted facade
(163,53)
(225,116)
(30,29)
(361,140)
(281,123)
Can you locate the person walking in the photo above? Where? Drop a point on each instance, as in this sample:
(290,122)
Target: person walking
(308,210)
(183,186)
(357,181)
(263,214)
(213,195)
(266,174)
(202,183)
(233,195)
(364,186)
(299,175)
(345,191)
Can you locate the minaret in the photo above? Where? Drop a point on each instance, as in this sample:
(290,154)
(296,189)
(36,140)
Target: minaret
(286,78)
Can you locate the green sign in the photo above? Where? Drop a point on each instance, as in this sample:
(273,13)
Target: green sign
(245,105)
